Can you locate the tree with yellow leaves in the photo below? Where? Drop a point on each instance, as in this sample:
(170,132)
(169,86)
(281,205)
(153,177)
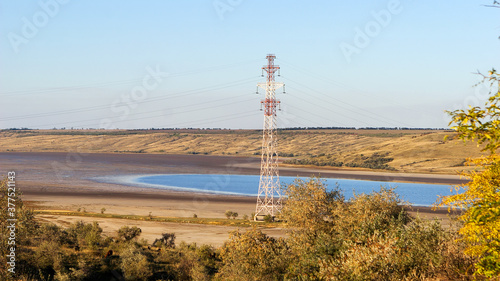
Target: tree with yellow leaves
(481,195)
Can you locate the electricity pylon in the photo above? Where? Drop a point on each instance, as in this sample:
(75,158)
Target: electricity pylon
(269,195)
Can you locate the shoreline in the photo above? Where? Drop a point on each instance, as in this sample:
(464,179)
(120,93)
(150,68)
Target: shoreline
(61,181)
(240,185)
(49,172)
(238,164)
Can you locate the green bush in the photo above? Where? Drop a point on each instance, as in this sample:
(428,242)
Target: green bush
(370,237)
(134,263)
(166,240)
(128,233)
(52,232)
(253,256)
(47,254)
(268,218)
(85,235)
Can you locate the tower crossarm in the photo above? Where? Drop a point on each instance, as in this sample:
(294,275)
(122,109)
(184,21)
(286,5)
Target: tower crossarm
(271,85)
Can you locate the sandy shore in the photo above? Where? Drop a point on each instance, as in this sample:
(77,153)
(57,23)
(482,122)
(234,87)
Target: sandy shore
(64,181)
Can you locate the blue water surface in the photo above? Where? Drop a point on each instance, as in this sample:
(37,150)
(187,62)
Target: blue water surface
(415,193)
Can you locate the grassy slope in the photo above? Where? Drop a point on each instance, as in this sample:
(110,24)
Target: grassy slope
(413,151)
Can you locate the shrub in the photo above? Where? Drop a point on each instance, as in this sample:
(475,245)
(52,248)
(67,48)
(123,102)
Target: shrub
(268,218)
(128,233)
(46,254)
(196,263)
(167,240)
(253,256)
(51,232)
(85,235)
(371,237)
(134,264)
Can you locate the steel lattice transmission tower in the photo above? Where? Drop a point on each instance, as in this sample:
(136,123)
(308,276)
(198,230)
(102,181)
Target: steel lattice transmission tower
(269,196)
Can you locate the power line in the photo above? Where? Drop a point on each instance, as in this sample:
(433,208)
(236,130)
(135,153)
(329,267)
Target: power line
(155,116)
(317,115)
(359,111)
(100,107)
(326,108)
(345,86)
(120,82)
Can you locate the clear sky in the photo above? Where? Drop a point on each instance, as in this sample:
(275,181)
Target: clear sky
(143,64)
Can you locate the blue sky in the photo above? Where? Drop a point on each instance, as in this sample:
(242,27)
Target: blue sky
(143,64)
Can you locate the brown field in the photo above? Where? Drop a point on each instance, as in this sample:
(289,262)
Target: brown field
(413,151)
(82,154)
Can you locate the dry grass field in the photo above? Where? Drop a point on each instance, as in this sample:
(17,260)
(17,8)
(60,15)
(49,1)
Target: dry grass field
(399,150)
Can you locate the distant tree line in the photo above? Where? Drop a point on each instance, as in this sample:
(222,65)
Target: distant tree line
(364,128)
(226,129)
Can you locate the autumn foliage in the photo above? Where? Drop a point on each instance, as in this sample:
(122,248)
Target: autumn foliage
(370,237)
(480,197)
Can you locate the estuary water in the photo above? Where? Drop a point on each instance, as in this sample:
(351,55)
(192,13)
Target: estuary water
(415,193)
